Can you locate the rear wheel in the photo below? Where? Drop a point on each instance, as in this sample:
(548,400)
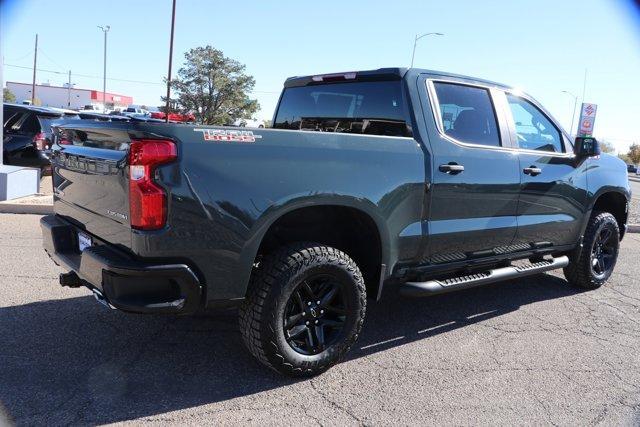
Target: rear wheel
(592,264)
(304,309)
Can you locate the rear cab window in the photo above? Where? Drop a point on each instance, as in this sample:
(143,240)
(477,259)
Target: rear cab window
(368,107)
(467,114)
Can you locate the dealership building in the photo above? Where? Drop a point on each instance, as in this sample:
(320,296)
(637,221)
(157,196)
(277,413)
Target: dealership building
(65,97)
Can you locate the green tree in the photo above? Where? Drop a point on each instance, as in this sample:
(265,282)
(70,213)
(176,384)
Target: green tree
(624,158)
(607,147)
(634,153)
(213,87)
(8,96)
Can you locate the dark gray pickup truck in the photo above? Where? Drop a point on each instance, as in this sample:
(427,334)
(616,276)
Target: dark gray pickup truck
(419,180)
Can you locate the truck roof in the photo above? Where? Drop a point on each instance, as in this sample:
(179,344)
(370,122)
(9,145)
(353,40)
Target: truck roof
(393,73)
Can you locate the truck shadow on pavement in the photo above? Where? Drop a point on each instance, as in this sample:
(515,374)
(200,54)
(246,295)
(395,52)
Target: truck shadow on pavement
(71,361)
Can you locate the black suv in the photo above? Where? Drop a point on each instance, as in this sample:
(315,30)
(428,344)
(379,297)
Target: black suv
(27,134)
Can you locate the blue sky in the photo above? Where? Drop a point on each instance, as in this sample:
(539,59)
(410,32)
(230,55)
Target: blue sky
(540,46)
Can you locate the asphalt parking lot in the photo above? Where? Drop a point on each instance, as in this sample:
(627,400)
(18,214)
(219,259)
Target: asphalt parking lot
(528,352)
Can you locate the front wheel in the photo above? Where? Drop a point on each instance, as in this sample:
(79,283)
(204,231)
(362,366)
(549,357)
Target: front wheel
(304,309)
(592,264)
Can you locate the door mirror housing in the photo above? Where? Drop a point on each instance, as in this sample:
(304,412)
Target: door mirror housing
(586,146)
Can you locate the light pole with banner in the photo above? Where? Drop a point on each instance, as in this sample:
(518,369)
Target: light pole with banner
(587,119)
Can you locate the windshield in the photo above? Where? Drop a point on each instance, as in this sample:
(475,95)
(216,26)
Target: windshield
(373,108)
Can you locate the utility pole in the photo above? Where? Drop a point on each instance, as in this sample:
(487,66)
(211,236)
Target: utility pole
(173,23)
(105,30)
(69,91)
(33,83)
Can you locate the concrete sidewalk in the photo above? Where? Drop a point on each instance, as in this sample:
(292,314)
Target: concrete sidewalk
(39,204)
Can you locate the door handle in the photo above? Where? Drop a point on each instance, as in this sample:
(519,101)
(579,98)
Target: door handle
(532,170)
(451,168)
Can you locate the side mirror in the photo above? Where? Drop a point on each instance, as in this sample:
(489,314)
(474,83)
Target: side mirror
(586,147)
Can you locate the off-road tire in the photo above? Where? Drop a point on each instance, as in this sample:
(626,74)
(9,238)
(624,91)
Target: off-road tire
(273,282)
(579,272)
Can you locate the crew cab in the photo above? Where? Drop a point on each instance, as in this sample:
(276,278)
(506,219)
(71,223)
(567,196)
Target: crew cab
(422,181)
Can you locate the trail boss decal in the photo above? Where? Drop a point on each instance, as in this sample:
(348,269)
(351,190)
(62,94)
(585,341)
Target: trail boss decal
(224,135)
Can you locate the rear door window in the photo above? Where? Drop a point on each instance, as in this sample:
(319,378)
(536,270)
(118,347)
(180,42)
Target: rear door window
(372,108)
(23,122)
(11,119)
(534,130)
(467,114)
(31,124)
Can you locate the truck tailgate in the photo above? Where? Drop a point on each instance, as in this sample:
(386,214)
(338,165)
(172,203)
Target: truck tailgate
(89,179)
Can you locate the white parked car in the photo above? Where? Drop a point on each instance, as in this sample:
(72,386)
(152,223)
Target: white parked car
(92,108)
(248,123)
(136,111)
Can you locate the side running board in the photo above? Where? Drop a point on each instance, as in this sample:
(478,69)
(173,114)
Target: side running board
(433,287)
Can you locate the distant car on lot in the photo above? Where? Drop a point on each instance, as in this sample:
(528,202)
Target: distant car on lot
(632,168)
(248,123)
(174,117)
(27,134)
(111,117)
(135,111)
(91,108)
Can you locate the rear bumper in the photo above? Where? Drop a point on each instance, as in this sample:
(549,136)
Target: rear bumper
(126,284)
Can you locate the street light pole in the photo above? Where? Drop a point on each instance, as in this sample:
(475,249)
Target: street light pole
(575,104)
(69,91)
(105,30)
(415,42)
(33,82)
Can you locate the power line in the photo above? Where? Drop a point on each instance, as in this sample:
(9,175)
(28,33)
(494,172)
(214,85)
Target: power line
(30,53)
(114,79)
(84,75)
(50,59)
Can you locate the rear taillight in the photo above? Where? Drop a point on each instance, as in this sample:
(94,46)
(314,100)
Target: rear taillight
(40,141)
(147,200)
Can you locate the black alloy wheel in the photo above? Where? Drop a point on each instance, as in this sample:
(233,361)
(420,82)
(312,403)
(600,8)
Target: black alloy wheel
(604,252)
(304,309)
(592,262)
(315,315)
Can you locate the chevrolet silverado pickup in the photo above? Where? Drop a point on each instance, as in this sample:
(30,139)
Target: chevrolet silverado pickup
(418,180)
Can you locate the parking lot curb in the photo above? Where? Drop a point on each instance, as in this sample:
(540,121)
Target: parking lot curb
(37,204)
(633,228)
(24,208)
